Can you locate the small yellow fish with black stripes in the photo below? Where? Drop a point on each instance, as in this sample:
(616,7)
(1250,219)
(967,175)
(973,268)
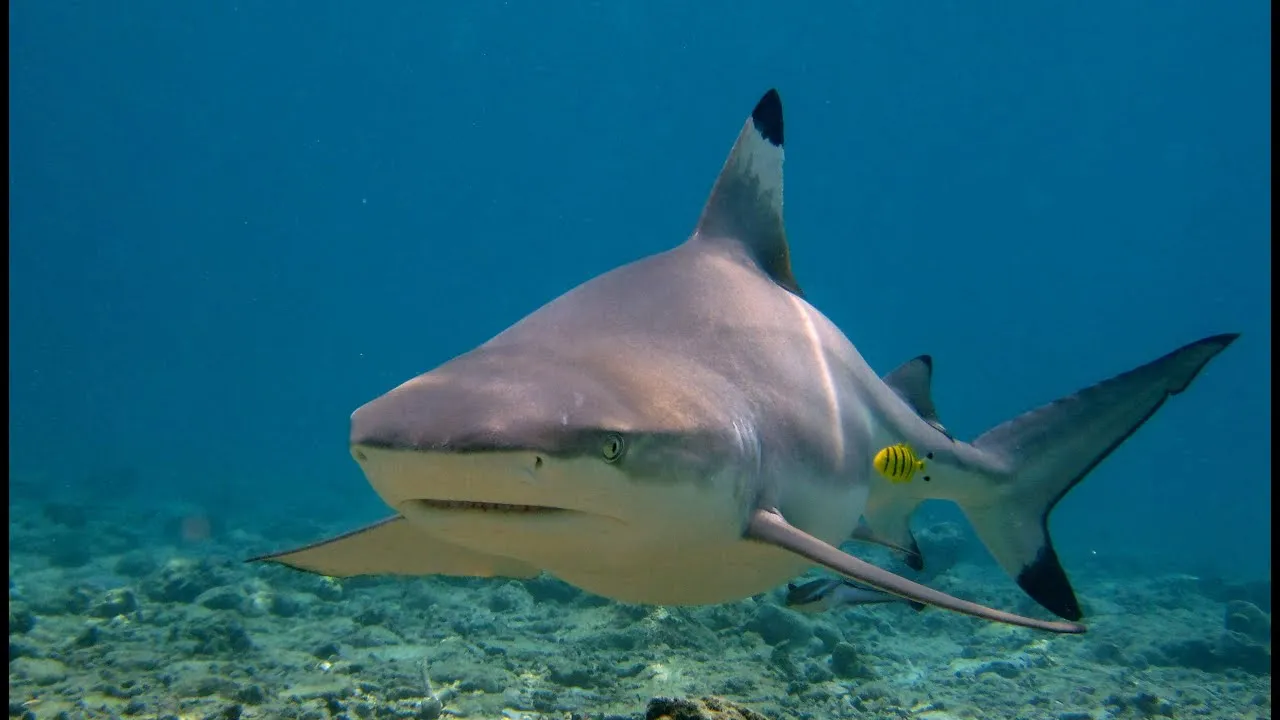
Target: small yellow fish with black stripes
(899,463)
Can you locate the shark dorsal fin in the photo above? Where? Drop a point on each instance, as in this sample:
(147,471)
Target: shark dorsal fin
(912,381)
(744,210)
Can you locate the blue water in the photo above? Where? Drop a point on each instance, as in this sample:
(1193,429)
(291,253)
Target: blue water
(233,223)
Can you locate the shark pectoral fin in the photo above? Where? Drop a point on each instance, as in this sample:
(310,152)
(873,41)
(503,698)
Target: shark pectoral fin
(395,547)
(887,522)
(770,527)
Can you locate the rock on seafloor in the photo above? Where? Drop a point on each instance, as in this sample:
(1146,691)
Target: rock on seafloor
(707,708)
(143,625)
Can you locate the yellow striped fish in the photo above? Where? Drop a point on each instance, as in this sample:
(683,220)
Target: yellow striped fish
(898,463)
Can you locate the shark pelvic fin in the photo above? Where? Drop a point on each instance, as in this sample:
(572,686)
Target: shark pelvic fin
(897,538)
(887,522)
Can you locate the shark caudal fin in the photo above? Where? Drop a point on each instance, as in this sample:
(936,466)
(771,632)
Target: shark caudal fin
(1051,449)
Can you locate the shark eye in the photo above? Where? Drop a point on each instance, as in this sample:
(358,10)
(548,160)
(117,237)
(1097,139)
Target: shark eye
(613,448)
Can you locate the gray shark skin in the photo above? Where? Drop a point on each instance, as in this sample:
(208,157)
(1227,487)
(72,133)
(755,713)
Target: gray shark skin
(687,429)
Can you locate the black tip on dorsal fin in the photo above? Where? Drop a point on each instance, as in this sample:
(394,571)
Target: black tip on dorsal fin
(744,212)
(767,117)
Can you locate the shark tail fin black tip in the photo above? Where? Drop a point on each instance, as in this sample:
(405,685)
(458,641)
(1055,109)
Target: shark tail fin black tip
(1049,450)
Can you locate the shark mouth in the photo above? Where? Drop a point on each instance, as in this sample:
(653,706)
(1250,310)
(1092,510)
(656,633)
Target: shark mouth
(486,506)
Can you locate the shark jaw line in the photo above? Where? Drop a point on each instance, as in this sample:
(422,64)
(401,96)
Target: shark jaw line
(488,507)
(516,488)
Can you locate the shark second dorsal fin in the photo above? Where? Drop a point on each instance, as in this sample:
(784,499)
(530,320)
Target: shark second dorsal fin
(744,211)
(912,381)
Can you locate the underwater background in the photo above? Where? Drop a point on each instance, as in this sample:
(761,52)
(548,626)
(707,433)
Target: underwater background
(232,223)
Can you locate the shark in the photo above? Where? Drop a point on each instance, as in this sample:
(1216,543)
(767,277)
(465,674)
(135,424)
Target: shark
(687,429)
(829,593)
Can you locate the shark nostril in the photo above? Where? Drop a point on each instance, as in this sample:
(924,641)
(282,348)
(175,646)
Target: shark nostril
(537,463)
(360,456)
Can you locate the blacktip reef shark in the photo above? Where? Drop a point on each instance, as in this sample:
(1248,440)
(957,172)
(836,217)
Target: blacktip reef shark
(828,593)
(687,429)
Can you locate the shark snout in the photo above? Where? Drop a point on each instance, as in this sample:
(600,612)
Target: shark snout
(491,402)
(426,416)
(427,443)
(483,434)
(387,423)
